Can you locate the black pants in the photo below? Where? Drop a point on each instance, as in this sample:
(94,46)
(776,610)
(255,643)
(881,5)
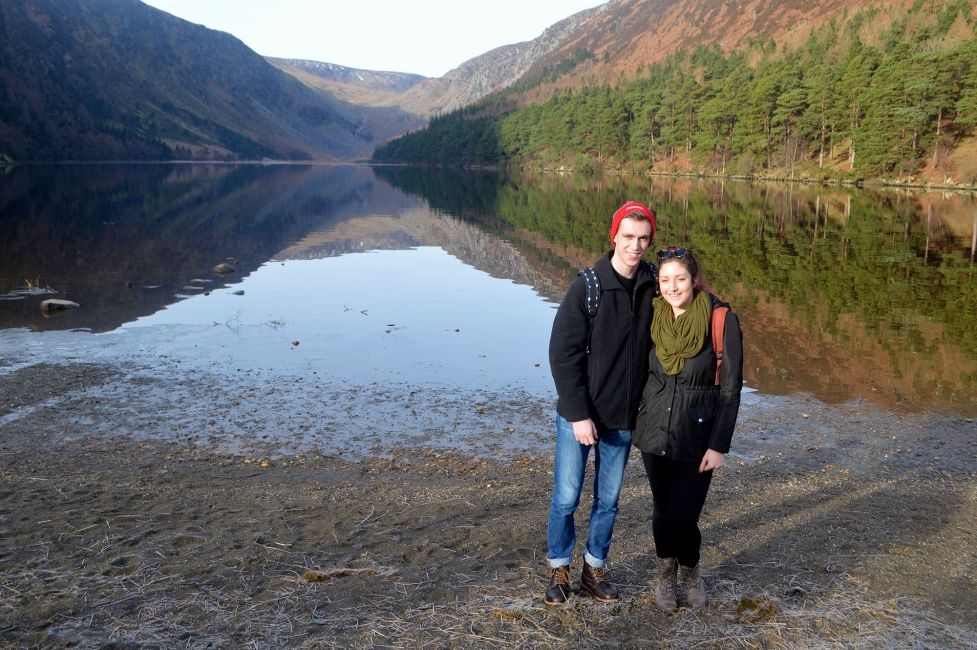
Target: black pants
(678,491)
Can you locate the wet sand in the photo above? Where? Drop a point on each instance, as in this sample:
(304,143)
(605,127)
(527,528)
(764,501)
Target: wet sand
(143,506)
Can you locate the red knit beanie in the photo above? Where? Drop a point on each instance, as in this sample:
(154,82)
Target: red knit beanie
(632,207)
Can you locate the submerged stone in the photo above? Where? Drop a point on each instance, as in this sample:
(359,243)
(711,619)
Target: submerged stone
(56,304)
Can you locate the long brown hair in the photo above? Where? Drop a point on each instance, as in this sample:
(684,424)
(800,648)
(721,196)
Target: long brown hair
(689,261)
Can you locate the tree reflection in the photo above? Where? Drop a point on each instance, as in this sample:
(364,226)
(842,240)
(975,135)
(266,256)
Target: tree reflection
(844,293)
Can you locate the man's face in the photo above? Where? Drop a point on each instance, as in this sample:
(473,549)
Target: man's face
(631,241)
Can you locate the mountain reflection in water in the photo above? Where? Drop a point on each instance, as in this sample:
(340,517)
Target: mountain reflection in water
(843,294)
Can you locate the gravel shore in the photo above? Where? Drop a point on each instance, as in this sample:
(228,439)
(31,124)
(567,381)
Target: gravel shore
(145,507)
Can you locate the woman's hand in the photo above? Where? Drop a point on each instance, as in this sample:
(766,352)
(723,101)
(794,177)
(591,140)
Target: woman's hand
(712,460)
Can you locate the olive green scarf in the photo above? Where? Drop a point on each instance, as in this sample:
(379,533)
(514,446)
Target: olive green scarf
(678,339)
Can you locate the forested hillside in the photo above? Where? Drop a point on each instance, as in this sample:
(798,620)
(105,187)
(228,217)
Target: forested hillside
(853,101)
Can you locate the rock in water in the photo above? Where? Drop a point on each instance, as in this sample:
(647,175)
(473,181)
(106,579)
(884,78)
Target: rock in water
(55,304)
(223,267)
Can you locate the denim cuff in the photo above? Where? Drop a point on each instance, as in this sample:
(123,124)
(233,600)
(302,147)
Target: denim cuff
(594,562)
(558,561)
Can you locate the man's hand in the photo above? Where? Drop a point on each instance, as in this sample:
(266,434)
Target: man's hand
(585,432)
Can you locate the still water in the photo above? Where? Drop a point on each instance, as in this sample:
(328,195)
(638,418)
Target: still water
(417,277)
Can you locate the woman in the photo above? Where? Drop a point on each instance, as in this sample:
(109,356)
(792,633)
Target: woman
(686,421)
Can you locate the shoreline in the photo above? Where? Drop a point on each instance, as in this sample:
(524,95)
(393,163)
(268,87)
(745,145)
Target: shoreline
(821,532)
(860,183)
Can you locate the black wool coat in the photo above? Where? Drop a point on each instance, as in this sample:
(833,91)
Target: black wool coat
(681,416)
(606,384)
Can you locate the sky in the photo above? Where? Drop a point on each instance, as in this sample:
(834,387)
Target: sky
(427,37)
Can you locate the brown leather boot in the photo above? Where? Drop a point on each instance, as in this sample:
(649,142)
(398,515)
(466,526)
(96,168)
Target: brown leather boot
(593,582)
(692,586)
(665,589)
(559,589)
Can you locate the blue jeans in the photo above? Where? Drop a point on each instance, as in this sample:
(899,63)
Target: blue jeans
(610,457)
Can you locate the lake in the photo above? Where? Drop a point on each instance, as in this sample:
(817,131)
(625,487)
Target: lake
(450,279)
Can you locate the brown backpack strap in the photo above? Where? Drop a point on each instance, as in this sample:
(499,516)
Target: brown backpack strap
(718,329)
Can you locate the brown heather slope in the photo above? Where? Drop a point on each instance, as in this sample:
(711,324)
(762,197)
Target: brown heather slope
(633,33)
(629,34)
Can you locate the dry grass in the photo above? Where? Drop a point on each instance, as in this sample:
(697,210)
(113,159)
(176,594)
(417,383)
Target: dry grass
(286,605)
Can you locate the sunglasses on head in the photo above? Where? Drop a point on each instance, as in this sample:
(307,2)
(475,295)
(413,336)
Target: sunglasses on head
(672,251)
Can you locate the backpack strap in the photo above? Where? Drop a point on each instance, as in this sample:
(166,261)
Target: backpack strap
(592,282)
(718,329)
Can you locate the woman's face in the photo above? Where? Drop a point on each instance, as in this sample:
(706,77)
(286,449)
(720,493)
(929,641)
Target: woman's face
(675,284)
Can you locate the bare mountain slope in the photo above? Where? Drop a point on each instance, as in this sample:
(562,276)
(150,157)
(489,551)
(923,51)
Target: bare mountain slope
(495,70)
(351,84)
(117,79)
(373,96)
(393,103)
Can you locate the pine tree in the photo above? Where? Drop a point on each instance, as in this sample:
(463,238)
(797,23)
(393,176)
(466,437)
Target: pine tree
(856,77)
(966,104)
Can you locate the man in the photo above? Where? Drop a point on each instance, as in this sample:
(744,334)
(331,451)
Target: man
(599,364)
